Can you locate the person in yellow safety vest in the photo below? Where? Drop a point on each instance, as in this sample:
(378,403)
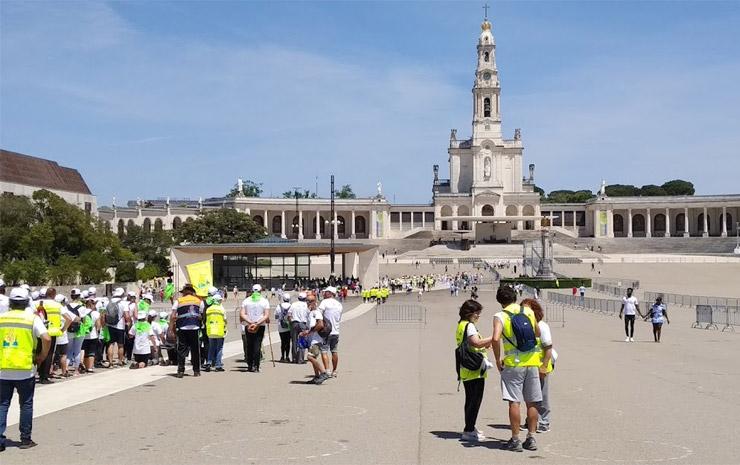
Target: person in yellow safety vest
(473,380)
(216,332)
(19,331)
(547,364)
(374,294)
(56,322)
(520,377)
(365,295)
(384,294)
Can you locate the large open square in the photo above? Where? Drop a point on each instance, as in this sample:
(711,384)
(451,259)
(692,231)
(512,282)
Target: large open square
(396,400)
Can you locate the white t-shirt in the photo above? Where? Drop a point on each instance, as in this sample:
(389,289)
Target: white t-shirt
(630,305)
(17,375)
(472,330)
(157,329)
(64,339)
(332,311)
(298,311)
(95,315)
(255,309)
(313,317)
(142,342)
(546,337)
(4,303)
(281,312)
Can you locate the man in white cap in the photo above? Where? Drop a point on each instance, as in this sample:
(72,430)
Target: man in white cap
(298,316)
(4,301)
(255,313)
(19,332)
(115,323)
(331,309)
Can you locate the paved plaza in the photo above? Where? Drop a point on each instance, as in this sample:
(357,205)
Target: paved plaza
(396,400)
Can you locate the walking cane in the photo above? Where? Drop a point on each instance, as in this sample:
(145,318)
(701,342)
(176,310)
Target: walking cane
(269,338)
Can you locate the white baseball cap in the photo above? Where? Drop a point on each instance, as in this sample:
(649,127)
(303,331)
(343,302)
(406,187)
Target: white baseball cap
(331,289)
(18,293)
(131,294)
(85,295)
(141,316)
(217,297)
(92,290)
(42,291)
(286,297)
(257,288)
(60,298)
(152,313)
(163,315)
(148,296)
(34,295)
(212,290)
(301,296)
(74,291)
(118,292)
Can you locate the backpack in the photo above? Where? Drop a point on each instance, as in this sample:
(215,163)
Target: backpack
(111,314)
(86,326)
(75,326)
(326,330)
(524,337)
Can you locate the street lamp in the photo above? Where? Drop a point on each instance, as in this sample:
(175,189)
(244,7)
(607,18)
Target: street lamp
(296,226)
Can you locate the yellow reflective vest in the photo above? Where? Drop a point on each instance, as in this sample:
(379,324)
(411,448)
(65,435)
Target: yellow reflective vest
(53,311)
(215,321)
(512,356)
(465,374)
(16,340)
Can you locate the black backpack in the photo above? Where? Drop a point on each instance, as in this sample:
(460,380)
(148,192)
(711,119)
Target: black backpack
(75,326)
(524,337)
(111,314)
(466,358)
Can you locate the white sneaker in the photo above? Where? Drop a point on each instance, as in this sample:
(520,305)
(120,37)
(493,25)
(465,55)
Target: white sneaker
(632,339)
(626,339)
(473,436)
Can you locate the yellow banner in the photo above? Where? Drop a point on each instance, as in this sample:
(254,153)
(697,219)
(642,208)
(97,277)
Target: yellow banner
(201,276)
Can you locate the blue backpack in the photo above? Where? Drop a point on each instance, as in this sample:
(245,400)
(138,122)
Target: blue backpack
(524,337)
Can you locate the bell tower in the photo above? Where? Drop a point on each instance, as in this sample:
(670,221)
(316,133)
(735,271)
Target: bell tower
(486,89)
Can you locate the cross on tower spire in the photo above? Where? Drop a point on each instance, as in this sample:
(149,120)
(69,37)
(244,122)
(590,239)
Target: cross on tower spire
(485,9)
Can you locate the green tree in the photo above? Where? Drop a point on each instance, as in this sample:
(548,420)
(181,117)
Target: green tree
(13,272)
(540,191)
(17,215)
(678,187)
(36,271)
(64,272)
(93,266)
(148,272)
(305,194)
(221,226)
(126,272)
(249,189)
(622,190)
(345,192)
(568,196)
(652,190)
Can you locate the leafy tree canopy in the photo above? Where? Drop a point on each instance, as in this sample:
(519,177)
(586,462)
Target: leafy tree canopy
(678,187)
(249,189)
(568,196)
(305,194)
(345,192)
(219,227)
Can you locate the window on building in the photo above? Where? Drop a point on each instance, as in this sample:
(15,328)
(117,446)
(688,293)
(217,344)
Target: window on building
(486,107)
(485,57)
(88,207)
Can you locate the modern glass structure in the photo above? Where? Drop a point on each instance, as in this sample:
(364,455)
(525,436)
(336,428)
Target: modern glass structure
(269,270)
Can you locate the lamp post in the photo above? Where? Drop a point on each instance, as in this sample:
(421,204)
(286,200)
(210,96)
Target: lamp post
(297,225)
(331,247)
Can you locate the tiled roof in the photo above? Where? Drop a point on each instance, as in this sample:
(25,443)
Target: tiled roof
(38,172)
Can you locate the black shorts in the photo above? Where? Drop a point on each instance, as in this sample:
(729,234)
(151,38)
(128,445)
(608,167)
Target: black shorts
(60,350)
(142,358)
(90,346)
(117,336)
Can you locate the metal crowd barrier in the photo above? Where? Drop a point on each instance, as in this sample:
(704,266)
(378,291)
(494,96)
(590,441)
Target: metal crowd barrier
(685,300)
(400,313)
(712,315)
(555,314)
(619,282)
(589,304)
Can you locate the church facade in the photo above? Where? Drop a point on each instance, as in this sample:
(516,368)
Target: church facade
(488,196)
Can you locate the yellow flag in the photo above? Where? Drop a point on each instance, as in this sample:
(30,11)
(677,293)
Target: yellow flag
(201,277)
(557,282)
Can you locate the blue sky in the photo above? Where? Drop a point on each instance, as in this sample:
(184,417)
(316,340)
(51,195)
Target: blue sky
(155,99)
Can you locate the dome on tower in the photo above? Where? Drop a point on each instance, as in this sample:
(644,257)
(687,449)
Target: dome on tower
(486,37)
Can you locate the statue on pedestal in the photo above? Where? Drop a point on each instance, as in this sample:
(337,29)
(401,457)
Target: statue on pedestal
(239,187)
(380,189)
(602,191)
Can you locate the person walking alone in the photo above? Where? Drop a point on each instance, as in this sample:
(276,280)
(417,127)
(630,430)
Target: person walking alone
(474,381)
(630,306)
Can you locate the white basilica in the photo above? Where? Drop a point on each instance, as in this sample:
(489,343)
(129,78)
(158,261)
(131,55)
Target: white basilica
(486,198)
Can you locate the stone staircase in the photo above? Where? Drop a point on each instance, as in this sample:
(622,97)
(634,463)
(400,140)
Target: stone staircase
(653,245)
